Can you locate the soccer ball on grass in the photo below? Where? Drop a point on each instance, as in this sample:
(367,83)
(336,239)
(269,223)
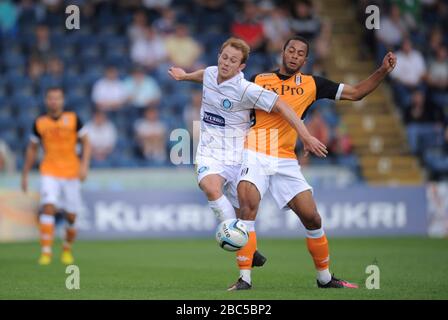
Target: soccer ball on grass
(232,234)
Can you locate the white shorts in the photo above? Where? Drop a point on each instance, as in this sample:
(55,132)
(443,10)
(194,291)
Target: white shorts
(62,193)
(280,175)
(207,166)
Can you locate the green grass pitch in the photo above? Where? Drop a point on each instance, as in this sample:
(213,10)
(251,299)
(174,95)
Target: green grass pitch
(411,268)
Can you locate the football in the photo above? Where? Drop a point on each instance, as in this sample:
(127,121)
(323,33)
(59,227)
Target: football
(232,234)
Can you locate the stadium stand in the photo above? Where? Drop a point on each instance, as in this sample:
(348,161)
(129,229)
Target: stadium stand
(37,52)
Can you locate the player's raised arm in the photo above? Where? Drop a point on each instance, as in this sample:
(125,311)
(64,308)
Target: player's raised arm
(366,86)
(179,74)
(310,143)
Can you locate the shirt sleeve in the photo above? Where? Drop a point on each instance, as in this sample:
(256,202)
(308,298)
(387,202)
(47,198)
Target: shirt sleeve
(327,89)
(81,129)
(35,135)
(258,98)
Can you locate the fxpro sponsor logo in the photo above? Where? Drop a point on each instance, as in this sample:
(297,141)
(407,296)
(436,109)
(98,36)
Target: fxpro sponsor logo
(122,216)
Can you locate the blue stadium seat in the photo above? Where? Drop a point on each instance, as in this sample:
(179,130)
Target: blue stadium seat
(47,81)
(10,136)
(437,161)
(15,77)
(13,59)
(424,136)
(24,87)
(26,104)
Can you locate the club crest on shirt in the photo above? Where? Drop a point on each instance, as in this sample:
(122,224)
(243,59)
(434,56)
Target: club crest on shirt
(298,79)
(226,104)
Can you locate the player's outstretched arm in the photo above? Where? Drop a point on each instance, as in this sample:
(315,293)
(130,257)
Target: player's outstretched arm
(366,86)
(179,74)
(30,158)
(310,143)
(85,158)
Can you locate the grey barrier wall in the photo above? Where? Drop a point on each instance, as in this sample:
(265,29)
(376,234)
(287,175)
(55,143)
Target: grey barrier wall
(355,211)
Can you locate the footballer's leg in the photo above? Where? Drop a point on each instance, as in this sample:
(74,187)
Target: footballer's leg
(212,185)
(46,227)
(249,199)
(70,236)
(230,190)
(305,208)
(49,192)
(72,204)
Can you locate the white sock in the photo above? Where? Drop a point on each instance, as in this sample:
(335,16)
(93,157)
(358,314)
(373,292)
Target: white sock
(222,208)
(323,276)
(46,219)
(250,224)
(315,234)
(245,274)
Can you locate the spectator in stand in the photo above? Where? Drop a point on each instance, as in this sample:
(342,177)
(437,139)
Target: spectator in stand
(438,78)
(411,12)
(409,73)
(166,24)
(304,21)
(421,118)
(55,67)
(149,51)
(102,136)
(151,136)
(109,92)
(421,112)
(8,18)
(143,91)
(42,44)
(435,42)
(36,68)
(391,33)
(212,16)
(137,29)
(155,7)
(322,44)
(249,27)
(192,114)
(183,50)
(276,28)
(341,144)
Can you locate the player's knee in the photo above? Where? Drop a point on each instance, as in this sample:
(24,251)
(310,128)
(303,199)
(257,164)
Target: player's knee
(49,209)
(71,219)
(314,222)
(212,193)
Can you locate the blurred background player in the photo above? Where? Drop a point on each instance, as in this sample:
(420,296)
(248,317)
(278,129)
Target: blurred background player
(61,170)
(275,166)
(226,103)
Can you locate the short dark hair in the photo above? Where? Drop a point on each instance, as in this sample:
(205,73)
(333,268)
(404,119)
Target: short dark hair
(298,38)
(54,88)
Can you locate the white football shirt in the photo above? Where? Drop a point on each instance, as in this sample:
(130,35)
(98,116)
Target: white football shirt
(226,114)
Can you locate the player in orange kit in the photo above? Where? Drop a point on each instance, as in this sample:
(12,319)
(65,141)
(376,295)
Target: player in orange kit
(61,170)
(270,161)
